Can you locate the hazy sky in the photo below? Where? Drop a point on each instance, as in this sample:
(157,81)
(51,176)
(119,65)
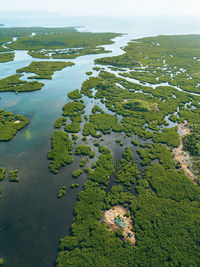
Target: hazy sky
(107,7)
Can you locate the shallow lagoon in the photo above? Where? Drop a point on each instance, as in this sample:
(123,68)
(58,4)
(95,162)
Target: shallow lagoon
(32,219)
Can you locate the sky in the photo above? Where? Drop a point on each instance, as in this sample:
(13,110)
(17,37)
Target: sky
(108,7)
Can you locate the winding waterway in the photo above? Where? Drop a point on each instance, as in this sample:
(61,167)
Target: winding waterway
(32,219)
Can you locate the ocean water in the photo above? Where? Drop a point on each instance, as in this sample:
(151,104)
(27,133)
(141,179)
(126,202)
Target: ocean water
(32,219)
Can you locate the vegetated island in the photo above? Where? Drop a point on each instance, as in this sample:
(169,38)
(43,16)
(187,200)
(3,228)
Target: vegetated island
(65,42)
(44,69)
(10,124)
(46,43)
(162,200)
(15,84)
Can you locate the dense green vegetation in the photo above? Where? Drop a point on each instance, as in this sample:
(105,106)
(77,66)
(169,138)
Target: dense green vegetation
(44,69)
(10,124)
(13,176)
(88,73)
(62,40)
(5,57)
(127,171)
(92,155)
(60,153)
(55,42)
(191,143)
(134,142)
(162,201)
(2,173)
(74,138)
(103,169)
(77,173)
(169,136)
(13,83)
(73,127)
(101,122)
(144,123)
(62,192)
(60,122)
(66,53)
(83,162)
(172,59)
(7,33)
(73,110)
(83,150)
(162,211)
(74,94)
(74,186)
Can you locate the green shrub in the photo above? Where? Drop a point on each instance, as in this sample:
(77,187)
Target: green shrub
(60,122)
(82,150)
(77,173)
(62,192)
(13,176)
(73,127)
(2,173)
(74,94)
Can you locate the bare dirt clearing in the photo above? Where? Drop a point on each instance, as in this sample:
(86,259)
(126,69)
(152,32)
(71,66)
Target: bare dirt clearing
(109,217)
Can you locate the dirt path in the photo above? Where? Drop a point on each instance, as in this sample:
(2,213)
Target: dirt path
(182,156)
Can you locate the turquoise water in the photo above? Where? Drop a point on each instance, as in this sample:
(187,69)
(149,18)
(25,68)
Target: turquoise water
(32,219)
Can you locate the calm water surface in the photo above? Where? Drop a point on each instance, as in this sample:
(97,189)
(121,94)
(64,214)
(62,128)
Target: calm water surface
(32,219)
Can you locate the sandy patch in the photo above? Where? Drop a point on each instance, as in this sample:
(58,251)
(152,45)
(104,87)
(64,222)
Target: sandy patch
(182,156)
(17,121)
(109,218)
